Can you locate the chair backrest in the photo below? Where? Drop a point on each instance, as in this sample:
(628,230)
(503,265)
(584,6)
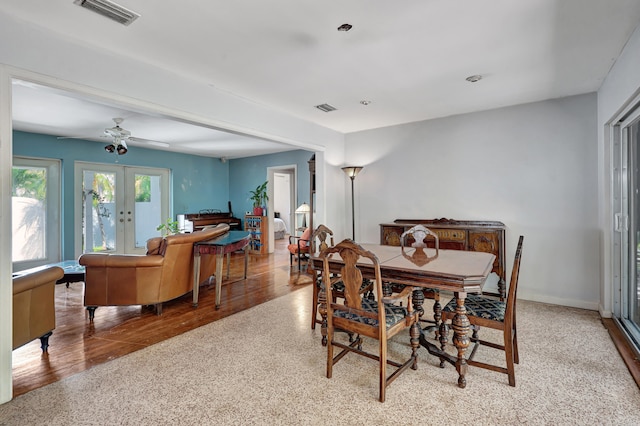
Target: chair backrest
(510,312)
(319,239)
(351,276)
(418,234)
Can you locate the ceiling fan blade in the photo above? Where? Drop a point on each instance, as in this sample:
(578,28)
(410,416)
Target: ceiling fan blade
(82,137)
(148,142)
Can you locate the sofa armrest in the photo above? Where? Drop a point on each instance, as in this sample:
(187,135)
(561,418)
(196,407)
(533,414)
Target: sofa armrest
(34,313)
(29,281)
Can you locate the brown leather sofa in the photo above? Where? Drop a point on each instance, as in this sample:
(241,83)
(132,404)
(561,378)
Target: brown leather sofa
(34,313)
(163,274)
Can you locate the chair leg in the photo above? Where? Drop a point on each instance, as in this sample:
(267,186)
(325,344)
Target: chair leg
(508,350)
(383,369)
(516,358)
(329,354)
(314,308)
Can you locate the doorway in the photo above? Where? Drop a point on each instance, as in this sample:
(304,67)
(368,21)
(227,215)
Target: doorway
(120,207)
(282,199)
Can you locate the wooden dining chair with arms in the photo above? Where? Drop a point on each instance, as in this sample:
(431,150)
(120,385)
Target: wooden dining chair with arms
(379,319)
(484,311)
(419,237)
(318,243)
(299,247)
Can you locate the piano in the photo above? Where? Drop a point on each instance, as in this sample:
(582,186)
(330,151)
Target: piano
(211,217)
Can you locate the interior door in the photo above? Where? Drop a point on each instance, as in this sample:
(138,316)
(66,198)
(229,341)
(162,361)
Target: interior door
(119,207)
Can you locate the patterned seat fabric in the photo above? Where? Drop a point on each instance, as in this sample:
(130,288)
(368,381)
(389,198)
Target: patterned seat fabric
(339,285)
(481,307)
(393,314)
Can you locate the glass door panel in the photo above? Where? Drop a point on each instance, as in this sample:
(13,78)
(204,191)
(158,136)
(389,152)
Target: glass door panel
(630,312)
(148,208)
(121,207)
(100,224)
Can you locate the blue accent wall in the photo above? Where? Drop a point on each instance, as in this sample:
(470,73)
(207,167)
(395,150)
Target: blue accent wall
(245,174)
(196,182)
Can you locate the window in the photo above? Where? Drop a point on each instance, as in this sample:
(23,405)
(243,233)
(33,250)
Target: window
(35,212)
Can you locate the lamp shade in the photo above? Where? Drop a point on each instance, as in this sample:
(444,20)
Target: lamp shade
(304,208)
(352,171)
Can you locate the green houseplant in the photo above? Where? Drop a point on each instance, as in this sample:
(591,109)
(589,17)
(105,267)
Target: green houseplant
(170,227)
(259,197)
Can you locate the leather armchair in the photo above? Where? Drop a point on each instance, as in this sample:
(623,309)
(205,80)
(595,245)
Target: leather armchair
(163,274)
(34,313)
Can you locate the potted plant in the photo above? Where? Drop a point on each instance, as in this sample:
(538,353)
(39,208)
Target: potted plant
(259,197)
(170,227)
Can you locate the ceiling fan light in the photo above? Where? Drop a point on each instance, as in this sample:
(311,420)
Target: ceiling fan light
(110,148)
(122,149)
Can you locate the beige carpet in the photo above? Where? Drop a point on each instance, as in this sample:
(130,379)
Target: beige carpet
(265,366)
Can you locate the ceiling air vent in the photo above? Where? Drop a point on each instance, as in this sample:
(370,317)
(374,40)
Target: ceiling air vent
(109,9)
(326,107)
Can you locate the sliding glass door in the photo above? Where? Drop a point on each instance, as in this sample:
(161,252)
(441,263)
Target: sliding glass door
(626,190)
(120,207)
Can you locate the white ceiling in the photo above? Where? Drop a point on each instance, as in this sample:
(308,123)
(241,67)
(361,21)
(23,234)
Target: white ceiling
(409,59)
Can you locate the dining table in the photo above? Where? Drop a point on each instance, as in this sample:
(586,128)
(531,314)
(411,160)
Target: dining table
(457,271)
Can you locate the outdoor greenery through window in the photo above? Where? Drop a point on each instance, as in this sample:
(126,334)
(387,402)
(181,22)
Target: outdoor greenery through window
(35,212)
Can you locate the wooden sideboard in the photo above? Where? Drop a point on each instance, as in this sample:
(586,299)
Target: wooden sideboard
(470,235)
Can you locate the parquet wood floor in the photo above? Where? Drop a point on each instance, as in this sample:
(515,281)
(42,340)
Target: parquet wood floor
(77,345)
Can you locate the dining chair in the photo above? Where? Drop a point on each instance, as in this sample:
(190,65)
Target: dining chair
(299,247)
(484,311)
(319,243)
(418,237)
(378,319)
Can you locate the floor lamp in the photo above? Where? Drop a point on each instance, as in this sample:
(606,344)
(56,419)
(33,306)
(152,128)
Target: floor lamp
(352,172)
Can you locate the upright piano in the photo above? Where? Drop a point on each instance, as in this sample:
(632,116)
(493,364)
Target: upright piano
(212,217)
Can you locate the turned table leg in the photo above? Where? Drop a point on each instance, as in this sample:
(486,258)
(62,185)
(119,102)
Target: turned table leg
(460,325)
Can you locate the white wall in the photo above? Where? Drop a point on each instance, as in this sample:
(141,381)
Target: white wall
(533,167)
(619,88)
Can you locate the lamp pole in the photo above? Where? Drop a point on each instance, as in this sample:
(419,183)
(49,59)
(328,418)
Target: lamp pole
(352,171)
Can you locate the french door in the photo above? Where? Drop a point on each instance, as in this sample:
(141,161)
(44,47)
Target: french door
(35,212)
(118,208)
(626,191)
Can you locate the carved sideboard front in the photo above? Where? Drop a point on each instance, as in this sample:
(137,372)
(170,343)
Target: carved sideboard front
(469,235)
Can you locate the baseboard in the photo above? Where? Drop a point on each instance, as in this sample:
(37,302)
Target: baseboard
(582,304)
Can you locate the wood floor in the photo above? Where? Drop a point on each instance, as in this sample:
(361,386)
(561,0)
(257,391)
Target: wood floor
(77,345)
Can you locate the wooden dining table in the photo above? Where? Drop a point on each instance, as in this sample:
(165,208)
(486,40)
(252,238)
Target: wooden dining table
(460,272)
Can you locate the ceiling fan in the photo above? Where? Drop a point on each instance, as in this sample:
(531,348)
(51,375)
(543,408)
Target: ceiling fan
(119,138)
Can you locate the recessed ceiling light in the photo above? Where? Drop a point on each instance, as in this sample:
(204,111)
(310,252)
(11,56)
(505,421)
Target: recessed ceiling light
(365,102)
(474,78)
(345,27)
